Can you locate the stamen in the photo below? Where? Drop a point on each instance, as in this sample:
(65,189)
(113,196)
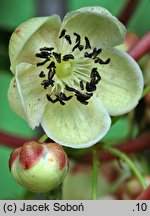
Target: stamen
(83,97)
(67,57)
(58,96)
(78,37)
(100,61)
(87,43)
(47,83)
(64,97)
(51,73)
(68,38)
(81,47)
(52,65)
(90,87)
(93,54)
(42,63)
(42,74)
(50,99)
(46,48)
(68,88)
(81,85)
(96,52)
(57,57)
(62,34)
(43,55)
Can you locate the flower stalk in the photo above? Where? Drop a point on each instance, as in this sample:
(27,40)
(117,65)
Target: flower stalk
(95,168)
(142,47)
(126,159)
(128,11)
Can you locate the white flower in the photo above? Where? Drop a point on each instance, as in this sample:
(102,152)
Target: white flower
(69,78)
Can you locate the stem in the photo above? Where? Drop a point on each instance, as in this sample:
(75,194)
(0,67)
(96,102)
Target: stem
(145,195)
(95,167)
(131,146)
(12,140)
(142,47)
(56,193)
(122,156)
(43,138)
(128,11)
(145,91)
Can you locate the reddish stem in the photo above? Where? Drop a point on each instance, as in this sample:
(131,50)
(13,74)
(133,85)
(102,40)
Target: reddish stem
(145,195)
(142,47)
(131,146)
(12,140)
(128,11)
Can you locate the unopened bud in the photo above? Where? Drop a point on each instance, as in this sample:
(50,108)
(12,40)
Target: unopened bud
(39,167)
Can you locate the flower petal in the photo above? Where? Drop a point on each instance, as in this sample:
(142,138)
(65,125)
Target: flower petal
(76,125)
(121,82)
(102,29)
(32,94)
(15,100)
(30,36)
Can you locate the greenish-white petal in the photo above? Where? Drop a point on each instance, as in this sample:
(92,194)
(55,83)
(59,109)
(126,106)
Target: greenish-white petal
(74,124)
(102,29)
(15,100)
(121,82)
(31,92)
(30,36)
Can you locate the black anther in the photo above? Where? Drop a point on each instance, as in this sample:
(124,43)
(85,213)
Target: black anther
(51,65)
(46,49)
(81,85)
(68,38)
(87,43)
(67,57)
(42,63)
(42,74)
(57,57)
(62,34)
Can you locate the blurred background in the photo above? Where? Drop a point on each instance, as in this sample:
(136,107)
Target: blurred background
(13,13)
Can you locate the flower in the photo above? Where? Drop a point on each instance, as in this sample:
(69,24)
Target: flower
(39,167)
(68,76)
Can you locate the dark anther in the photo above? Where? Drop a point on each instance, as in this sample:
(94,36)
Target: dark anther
(80,47)
(47,83)
(90,87)
(51,65)
(62,34)
(43,55)
(42,63)
(42,74)
(93,54)
(100,61)
(96,52)
(58,96)
(88,55)
(50,99)
(68,38)
(67,57)
(46,49)
(77,37)
(83,97)
(51,73)
(81,85)
(95,77)
(64,97)
(87,43)
(68,88)
(57,57)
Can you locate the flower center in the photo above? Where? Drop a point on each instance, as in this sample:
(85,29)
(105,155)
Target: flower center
(63,70)
(72,74)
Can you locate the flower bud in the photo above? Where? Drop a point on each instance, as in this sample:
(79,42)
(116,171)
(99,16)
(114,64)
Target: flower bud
(39,167)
